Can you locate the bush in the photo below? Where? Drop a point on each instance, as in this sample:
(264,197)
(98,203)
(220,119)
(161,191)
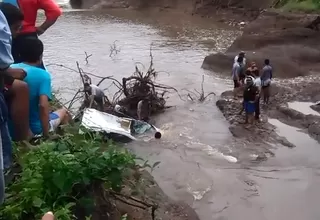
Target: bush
(57,176)
(300,5)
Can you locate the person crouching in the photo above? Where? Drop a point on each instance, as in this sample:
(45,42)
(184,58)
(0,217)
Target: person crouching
(249,99)
(95,94)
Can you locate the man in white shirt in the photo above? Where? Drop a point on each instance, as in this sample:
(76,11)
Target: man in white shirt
(241,54)
(236,76)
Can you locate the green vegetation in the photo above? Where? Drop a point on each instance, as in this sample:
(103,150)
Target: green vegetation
(300,5)
(60,176)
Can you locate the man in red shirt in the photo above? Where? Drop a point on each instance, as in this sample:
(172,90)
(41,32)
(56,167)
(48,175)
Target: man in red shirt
(30,9)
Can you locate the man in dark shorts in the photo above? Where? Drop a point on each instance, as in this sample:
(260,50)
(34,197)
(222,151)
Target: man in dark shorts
(249,99)
(236,74)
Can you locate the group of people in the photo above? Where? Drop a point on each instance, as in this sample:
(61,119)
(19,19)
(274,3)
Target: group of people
(255,84)
(25,84)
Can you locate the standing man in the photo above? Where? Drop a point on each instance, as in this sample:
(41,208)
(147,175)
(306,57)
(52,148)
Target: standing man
(243,55)
(236,76)
(242,74)
(16,91)
(266,77)
(5,61)
(30,9)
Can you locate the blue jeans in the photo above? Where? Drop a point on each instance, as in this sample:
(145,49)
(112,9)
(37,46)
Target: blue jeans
(5,142)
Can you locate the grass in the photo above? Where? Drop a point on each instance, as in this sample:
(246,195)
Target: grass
(300,5)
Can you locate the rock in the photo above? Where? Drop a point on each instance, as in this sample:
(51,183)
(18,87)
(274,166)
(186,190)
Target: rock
(315,107)
(285,142)
(221,103)
(291,112)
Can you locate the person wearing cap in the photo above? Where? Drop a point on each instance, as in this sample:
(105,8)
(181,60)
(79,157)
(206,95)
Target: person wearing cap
(249,99)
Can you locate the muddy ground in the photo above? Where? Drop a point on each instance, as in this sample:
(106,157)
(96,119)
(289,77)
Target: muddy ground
(263,133)
(139,194)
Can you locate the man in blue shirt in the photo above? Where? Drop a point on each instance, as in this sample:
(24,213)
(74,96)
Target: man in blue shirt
(41,121)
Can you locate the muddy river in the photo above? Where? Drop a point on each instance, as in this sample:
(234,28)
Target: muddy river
(201,163)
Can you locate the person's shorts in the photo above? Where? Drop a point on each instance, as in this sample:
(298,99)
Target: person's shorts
(54,121)
(236,84)
(249,107)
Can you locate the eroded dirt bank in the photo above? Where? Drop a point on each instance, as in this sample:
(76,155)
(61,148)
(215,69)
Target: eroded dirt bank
(177,4)
(287,39)
(291,104)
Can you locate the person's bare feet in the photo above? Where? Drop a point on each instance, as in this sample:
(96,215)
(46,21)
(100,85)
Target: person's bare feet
(48,216)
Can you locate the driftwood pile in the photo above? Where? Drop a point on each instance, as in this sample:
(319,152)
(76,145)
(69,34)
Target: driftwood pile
(140,86)
(130,91)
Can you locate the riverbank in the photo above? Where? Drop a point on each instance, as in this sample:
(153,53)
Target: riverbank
(291,103)
(289,41)
(80,176)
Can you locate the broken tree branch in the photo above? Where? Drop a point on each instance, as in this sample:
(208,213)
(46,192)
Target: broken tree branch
(87,57)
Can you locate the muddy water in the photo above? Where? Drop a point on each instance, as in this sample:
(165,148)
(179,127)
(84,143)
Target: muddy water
(199,158)
(303,107)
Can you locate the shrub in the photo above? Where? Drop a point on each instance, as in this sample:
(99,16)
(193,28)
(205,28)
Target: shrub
(56,176)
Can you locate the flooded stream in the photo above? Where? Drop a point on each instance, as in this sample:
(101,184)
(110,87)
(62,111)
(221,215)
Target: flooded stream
(197,151)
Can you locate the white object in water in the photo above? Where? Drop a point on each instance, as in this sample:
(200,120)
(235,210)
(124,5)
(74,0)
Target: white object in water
(117,108)
(95,120)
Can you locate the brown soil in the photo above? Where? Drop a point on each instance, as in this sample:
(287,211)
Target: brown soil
(140,189)
(304,89)
(232,11)
(281,37)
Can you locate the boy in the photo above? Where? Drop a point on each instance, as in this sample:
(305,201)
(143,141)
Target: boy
(249,99)
(41,121)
